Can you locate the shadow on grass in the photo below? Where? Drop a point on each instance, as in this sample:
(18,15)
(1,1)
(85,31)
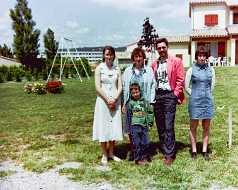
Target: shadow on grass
(123,150)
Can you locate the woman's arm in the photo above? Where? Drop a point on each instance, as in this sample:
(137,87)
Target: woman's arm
(119,85)
(187,81)
(99,90)
(152,88)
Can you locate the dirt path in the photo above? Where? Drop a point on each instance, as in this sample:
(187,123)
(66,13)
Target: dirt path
(50,180)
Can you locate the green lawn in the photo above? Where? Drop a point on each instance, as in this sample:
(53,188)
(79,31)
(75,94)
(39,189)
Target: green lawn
(42,131)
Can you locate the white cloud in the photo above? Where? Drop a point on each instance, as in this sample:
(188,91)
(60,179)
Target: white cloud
(5,29)
(72,24)
(166,9)
(83,30)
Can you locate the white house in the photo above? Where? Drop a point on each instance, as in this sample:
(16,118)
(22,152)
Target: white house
(214,23)
(178,46)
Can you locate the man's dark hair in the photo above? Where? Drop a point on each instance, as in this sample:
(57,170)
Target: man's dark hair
(160,40)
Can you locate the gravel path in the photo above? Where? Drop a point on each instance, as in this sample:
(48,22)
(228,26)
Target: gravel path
(50,180)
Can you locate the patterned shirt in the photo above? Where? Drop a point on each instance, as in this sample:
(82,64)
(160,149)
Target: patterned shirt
(138,78)
(162,76)
(141,112)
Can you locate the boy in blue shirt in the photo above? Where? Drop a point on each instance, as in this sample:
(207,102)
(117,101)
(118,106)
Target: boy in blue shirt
(141,117)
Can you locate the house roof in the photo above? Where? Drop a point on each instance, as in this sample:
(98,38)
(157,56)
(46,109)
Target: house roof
(211,32)
(178,39)
(171,39)
(233,29)
(91,49)
(8,61)
(208,1)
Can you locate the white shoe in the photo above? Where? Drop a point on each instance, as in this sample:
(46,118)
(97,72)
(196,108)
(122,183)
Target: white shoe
(115,158)
(104,160)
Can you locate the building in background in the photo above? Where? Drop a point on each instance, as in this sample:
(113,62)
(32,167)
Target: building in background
(178,46)
(5,61)
(214,23)
(92,54)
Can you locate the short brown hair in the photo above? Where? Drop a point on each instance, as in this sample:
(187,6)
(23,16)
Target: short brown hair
(201,50)
(160,40)
(137,51)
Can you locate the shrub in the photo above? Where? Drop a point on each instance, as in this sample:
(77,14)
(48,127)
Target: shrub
(55,87)
(18,75)
(35,88)
(28,76)
(9,75)
(39,88)
(28,88)
(4,70)
(2,78)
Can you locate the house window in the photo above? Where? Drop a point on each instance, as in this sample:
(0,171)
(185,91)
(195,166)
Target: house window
(235,18)
(211,20)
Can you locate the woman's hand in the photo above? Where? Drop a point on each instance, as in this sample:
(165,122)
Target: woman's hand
(112,105)
(123,109)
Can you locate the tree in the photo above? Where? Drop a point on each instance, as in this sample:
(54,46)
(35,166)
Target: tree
(51,45)
(6,51)
(26,38)
(149,36)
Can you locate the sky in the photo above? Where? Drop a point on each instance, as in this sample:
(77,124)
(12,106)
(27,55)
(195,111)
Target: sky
(100,22)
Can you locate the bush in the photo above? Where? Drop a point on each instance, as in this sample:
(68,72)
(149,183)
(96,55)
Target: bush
(9,76)
(2,78)
(35,88)
(18,76)
(55,87)
(39,88)
(28,76)
(4,70)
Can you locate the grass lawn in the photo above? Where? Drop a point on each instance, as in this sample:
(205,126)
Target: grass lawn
(42,131)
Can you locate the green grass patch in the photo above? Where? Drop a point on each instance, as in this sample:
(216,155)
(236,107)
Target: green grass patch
(42,131)
(6,173)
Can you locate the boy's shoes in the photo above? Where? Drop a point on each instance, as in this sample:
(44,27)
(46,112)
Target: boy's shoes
(194,155)
(169,161)
(149,159)
(205,156)
(115,158)
(141,162)
(104,160)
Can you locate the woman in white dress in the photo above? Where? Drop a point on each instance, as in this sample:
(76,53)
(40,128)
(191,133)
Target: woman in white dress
(107,124)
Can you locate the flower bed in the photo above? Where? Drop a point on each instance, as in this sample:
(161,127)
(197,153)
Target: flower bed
(55,87)
(35,88)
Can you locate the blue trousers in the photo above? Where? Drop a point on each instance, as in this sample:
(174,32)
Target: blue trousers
(164,110)
(140,140)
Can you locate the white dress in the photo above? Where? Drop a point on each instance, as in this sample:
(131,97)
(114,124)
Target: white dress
(107,125)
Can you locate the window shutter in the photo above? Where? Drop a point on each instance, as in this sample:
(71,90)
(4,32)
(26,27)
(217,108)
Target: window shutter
(211,20)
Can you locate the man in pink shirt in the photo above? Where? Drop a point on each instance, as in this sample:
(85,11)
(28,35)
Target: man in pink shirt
(169,75)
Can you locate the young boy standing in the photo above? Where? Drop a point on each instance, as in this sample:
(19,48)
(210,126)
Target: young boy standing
(142,117)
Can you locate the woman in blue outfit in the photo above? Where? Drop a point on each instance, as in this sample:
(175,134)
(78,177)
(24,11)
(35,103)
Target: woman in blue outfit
(139,73)
(199,84)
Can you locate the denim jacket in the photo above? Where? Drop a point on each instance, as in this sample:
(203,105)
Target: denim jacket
(148,84)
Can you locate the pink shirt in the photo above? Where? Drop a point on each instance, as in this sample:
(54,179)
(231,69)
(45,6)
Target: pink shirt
(175,76)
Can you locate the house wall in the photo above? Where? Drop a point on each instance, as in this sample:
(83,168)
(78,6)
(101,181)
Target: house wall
(180,48)
(199,11)
(233,51)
